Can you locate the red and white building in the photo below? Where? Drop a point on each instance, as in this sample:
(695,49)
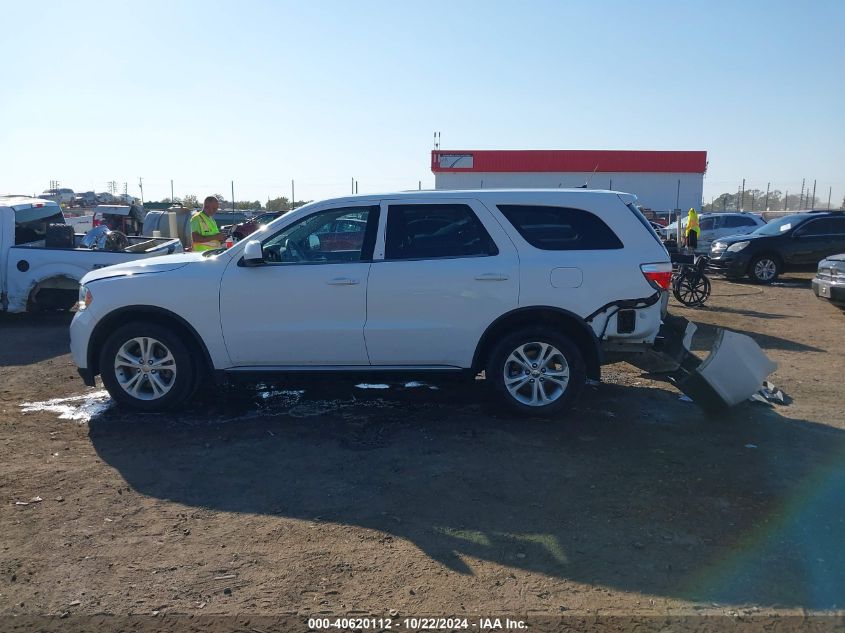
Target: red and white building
(662,181)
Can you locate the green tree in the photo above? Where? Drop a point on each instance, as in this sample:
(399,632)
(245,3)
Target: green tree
(190,201)
(246,205)
(278,204)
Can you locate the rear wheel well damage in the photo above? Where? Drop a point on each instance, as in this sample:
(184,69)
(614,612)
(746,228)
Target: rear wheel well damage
(562,321)
(52,293)
(148,314)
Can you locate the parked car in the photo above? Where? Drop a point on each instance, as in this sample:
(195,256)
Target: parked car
(61,196)
(793,242)
(86,199)
(530,286)
(247,227)
(105,198)
(42,258)
(717,225)
(829,282)
(227,219)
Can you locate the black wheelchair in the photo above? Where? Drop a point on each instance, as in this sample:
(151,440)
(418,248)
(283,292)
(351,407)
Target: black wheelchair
(690,284)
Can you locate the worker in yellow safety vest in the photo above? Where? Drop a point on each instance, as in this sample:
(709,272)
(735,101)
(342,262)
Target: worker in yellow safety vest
(692,230)
(204,232)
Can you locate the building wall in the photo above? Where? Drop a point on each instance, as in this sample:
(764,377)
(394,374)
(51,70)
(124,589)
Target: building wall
(658,191)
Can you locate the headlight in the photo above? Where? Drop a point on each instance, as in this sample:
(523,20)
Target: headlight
(85,298)
(735,248)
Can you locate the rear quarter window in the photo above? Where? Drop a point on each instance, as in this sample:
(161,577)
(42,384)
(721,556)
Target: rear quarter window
(560,228)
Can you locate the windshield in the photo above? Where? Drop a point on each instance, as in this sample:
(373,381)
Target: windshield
(780,225)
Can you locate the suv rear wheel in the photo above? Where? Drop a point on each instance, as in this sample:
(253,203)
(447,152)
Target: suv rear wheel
(146,367)
(536,371)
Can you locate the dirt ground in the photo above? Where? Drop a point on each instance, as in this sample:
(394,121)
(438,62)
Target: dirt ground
(419,501)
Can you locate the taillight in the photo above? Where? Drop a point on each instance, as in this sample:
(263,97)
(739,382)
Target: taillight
(658,275)
(95,222)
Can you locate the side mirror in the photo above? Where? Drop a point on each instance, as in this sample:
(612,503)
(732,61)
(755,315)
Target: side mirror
(253,255)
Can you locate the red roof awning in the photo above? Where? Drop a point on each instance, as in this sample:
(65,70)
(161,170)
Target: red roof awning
(568,160)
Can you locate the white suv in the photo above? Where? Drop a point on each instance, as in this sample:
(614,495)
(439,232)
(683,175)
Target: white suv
(534,287)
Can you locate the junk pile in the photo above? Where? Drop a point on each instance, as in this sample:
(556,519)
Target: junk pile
(732,373)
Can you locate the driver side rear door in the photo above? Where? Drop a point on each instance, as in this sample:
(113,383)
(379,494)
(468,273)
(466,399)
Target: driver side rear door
(306,305)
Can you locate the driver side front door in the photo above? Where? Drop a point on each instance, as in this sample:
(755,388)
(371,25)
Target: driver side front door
(307,304)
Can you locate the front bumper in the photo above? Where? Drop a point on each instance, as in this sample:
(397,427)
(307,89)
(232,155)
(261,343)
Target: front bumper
(81,329)
(729,264)
(833,291)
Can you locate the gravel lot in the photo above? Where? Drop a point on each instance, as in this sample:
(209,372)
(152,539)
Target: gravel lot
(325,498)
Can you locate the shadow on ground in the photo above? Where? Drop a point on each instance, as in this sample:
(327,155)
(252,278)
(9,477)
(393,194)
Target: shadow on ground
(705,336)
(635,491)
(49,330)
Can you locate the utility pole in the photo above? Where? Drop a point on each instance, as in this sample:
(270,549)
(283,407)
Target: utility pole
(420,188)
(813,199)
(356,187)
(801,199)
(171,191)
(141,185)
(292,196)
(233,195)
(742,208)
(785,199)
(829,193)
(766,206)
(678,197)
(353,184)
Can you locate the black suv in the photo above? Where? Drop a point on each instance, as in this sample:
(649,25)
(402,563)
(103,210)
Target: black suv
(793,242)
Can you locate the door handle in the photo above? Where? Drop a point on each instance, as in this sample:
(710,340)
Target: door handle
(342,281)
(492,277)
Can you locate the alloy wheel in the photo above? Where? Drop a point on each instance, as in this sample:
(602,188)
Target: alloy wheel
(145,368)
(536,374)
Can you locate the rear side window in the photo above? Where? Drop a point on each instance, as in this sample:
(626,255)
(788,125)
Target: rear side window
(31,224)
(733,221)
(707,224)
(562,228)
(430,231)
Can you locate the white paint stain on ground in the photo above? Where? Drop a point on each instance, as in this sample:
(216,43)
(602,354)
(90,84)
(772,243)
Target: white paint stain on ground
(79,408)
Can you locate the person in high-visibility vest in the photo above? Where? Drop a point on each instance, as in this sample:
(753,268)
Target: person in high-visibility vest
(692,230)
(204,232)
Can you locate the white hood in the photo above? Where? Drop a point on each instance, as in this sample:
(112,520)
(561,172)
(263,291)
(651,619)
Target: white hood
(144,266)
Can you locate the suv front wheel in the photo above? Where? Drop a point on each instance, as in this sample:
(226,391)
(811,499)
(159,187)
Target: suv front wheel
(536,371)
(146,367)
(764,269)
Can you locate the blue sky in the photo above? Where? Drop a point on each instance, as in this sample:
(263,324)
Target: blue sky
(320,92)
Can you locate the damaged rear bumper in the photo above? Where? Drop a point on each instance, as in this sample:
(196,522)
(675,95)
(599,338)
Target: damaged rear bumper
(734,370)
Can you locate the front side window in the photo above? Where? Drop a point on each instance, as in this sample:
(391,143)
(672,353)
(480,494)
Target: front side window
(431,231)
(316,240)
(560,228)
(707,224)
(815,228)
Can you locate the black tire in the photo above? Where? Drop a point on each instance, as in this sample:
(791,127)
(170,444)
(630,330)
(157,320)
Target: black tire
(764,269)
(183,374)
(691,293)
(499,361)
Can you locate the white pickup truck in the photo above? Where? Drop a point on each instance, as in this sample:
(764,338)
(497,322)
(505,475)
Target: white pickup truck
(35,275)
